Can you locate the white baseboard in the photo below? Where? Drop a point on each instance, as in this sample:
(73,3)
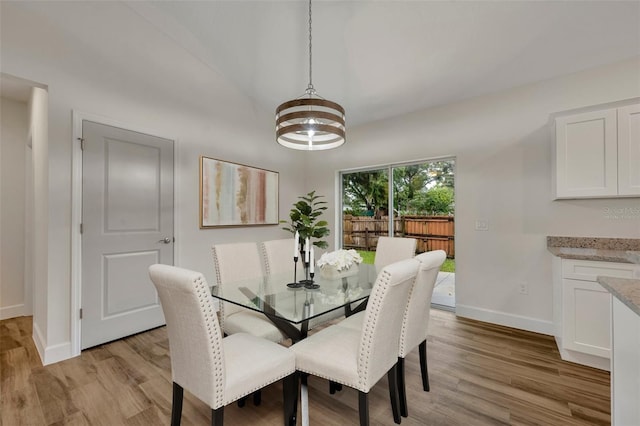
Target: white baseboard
(39,341)
(50,354)
(57,353)
(509,320)
(13,311)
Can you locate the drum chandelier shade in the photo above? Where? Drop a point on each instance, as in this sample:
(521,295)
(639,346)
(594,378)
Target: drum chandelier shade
(310,122)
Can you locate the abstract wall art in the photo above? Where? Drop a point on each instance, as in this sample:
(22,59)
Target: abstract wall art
(233,194)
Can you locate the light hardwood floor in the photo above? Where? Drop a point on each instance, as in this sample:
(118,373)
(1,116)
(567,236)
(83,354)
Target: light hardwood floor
(481,374)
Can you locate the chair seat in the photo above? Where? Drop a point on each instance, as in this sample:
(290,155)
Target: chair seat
(353,322)
(331,353)
(254,323)
(251,363)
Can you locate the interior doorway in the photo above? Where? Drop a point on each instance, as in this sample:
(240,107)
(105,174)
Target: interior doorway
(127,225)
(414,200)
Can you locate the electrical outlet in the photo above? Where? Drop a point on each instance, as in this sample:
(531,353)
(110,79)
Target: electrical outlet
(523,287)
(482,225)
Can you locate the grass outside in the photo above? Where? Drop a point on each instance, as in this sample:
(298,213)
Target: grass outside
(449,265)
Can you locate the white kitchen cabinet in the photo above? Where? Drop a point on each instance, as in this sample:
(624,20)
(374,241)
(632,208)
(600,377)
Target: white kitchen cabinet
(629,150)
(625,366)
(597,153)
(587,317)
(584,330)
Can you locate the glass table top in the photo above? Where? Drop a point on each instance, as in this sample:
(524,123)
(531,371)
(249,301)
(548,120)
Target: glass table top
(271,294)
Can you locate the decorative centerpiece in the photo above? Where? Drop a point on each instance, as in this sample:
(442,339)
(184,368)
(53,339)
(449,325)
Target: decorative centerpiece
(339,263)
(306,226)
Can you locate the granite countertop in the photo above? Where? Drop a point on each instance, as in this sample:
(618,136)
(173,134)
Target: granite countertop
(625,250)
(624,289)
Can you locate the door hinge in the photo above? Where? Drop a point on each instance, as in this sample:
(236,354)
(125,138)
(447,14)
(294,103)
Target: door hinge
(81,143)
(80,313)
(81,228)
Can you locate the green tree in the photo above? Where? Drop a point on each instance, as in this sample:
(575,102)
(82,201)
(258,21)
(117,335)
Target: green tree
(437,200)
(365,191)
(416,180)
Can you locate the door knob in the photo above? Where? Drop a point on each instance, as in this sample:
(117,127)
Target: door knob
(165,240)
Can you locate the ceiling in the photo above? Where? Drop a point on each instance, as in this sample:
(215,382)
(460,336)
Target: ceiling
(381,59)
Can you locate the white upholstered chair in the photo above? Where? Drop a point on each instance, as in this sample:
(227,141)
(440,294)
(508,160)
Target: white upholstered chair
(216,370)
(235,263)
(392,249)
(359,358)
(278,257)
(415,320)
(415,323)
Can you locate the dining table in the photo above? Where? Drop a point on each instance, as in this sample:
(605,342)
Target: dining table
(296,302)
(295,306)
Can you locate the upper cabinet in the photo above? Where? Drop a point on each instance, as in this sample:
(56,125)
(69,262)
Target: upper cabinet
(597,153)
(629,150)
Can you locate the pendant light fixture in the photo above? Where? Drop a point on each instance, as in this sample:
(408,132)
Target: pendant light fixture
(310,122)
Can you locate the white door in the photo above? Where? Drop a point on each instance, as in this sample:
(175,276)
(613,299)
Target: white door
(127,225)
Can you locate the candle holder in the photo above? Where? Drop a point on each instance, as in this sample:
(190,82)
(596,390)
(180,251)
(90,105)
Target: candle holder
(310,284)
(295,283)
(306,280)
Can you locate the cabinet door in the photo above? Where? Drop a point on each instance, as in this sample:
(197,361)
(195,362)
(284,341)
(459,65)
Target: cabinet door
(586,155)
(629,150)
(625,366)
(586,317)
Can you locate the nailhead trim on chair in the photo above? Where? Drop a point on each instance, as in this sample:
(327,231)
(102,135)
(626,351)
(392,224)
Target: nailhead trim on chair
(218,281)
(215,339)
(403,331)
(267,268)
(373,308)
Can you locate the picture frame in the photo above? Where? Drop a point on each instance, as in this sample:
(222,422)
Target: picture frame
(233,194)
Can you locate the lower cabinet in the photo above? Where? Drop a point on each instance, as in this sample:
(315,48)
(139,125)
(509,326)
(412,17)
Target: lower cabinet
(583,317)
(625,366)
(587,317)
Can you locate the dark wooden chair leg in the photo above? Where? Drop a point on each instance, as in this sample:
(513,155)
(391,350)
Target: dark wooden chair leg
(257,397)
(402,388)
(217,417)
(176,405)
(392,378)
(363,408)
(334,387)
(242,401)
(290,390)
(423,365)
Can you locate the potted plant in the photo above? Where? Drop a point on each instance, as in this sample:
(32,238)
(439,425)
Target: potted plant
(305,216)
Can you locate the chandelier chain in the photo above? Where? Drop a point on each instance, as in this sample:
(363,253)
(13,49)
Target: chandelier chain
(310,89)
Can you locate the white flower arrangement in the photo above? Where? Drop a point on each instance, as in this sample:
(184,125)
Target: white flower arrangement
(339,260)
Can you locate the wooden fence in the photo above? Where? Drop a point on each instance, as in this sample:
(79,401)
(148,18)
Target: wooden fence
(432,232)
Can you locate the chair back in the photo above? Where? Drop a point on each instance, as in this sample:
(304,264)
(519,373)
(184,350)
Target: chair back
(235,262)
(393,249)
(278,256)
(195,339)
(416,316)
(382,320)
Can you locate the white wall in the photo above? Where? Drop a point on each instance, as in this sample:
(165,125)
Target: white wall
(156,86)
(38,134)
(503,148)
(13,137)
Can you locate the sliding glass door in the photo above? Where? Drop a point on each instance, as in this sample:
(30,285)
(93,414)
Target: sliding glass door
(404,200)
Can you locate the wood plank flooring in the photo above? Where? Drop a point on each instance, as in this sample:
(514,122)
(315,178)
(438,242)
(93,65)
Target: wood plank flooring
(481,374)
